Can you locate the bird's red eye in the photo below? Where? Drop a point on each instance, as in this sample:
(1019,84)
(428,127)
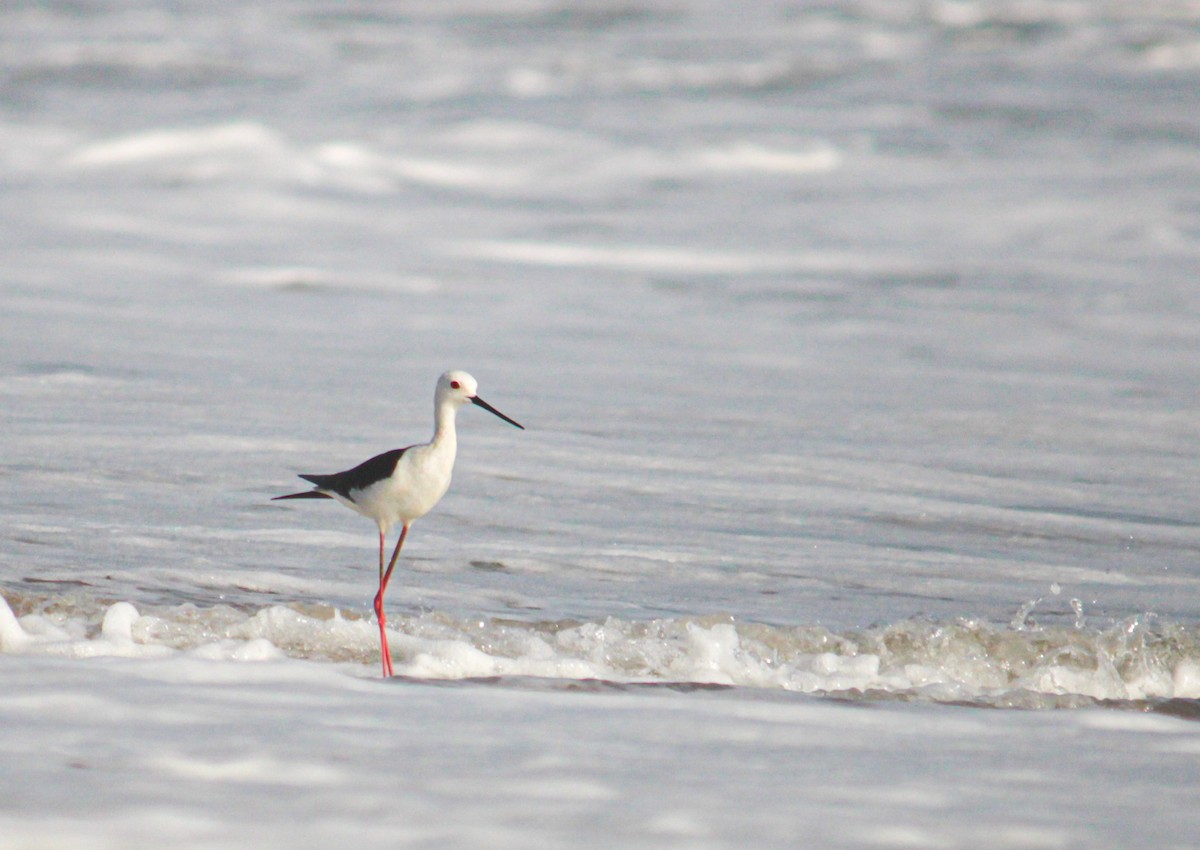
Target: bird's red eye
(454,385)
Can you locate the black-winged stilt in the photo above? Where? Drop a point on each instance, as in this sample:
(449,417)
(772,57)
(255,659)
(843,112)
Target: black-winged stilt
(403,485)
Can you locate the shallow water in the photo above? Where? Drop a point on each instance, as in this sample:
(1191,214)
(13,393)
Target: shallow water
(857,347)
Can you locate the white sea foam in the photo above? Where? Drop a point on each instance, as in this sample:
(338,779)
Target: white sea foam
(961,662)
(309,277)
(241,138)
(658,259)
(752,157)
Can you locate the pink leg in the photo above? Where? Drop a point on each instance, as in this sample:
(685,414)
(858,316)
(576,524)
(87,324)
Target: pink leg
(384,577)
(379,615)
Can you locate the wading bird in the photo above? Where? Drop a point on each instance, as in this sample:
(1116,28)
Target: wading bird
(403,485)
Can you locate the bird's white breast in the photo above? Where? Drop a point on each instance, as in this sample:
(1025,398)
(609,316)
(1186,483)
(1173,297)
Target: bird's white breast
(421,478)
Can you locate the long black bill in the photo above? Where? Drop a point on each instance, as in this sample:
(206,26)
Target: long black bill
(477,400)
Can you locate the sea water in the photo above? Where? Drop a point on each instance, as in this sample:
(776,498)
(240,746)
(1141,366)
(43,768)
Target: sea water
(857,348)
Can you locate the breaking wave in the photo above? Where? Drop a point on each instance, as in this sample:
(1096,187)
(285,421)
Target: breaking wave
(961,661)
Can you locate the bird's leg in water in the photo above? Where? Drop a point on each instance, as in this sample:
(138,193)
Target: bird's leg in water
(384,577)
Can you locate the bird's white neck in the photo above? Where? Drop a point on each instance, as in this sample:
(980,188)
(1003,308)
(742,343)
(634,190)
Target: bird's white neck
(443,426)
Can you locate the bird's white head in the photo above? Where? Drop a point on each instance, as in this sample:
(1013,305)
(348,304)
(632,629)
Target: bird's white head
(457,388)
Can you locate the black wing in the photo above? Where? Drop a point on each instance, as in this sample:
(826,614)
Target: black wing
(307,494)
(360,477)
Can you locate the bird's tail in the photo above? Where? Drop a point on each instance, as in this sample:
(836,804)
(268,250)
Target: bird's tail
(307,494)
